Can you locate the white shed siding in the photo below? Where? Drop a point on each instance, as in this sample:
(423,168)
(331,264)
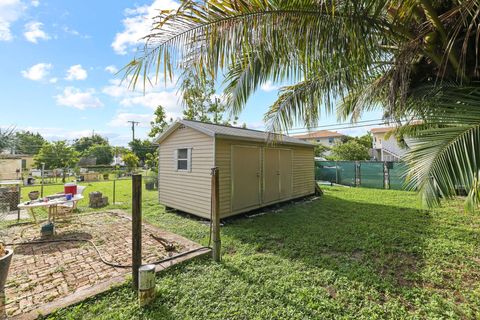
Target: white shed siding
(186,191)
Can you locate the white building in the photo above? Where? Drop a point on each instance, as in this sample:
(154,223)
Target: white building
(323,137)
(386,149)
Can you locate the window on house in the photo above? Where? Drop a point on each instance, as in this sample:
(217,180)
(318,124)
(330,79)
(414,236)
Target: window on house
(330,140)
(318,140)
(183,159)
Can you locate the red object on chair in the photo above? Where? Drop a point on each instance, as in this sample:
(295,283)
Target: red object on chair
(70,188)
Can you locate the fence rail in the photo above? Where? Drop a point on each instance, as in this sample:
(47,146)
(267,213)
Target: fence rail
(369,174)
(118,191)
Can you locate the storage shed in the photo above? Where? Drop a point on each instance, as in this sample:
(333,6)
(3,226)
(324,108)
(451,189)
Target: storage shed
(254,171)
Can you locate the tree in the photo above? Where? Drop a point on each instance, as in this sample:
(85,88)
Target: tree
(7,138)
(351,150)
(413,59)
(131,161)
(84,143)
(201,102)
(321,150)
(141,148)
(159,123)
(366,140)
(103,153)
(57,155)
(152,161)
(27,142)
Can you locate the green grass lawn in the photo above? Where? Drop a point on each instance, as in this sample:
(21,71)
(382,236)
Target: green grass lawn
(352,254)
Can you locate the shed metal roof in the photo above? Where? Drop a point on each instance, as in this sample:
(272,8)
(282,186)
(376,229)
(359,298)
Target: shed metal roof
(216,130)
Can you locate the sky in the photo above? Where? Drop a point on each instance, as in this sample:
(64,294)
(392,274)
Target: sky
(58,65)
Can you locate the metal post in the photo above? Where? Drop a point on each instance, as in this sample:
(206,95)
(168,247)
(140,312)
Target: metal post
(217,244)
(146,286)
(336,172)
(136,228)
(43,171)
(19,201)
(385,175)
(114,190)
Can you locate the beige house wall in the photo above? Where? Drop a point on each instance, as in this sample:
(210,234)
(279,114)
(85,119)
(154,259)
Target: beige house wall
(182,190)
(8,168)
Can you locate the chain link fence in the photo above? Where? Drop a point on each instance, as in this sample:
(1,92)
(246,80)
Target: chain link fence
(107,193)
(369,174)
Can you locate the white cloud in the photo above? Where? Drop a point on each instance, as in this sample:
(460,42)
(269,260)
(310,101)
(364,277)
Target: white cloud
(74,32)
(112,69)
(121,119)
(76,98)
(35,3)
(138,23)
(268,86)
(169,101)
(53,80)
(33,32)
(37,72)
(152,97)
(76,72)
(256,125)
(10,11)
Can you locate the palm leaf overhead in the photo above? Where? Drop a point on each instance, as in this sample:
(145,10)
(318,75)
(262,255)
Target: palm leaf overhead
(445,155)
(351,56)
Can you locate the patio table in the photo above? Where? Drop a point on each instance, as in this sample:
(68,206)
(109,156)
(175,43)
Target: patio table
(51,204)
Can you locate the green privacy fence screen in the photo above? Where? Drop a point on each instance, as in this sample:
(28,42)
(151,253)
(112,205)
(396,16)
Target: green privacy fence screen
(370,174)
(397,175)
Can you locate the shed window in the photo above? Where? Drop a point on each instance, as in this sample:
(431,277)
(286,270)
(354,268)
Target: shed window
(183,159)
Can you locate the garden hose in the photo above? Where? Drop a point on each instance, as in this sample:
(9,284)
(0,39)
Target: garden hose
(109,263)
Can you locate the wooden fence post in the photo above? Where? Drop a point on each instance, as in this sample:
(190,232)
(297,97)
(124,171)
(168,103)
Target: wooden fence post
(216,255)
(136,228)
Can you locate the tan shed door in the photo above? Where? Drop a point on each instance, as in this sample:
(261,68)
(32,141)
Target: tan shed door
(271,175)
(286,174)
(245,177)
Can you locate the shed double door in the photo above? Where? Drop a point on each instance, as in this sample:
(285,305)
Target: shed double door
(277,174)
(246,173)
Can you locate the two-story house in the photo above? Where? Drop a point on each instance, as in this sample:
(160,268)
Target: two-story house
(323,137)
(386,149)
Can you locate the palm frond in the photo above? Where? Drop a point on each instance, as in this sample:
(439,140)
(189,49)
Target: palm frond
(445,157)
(211,36)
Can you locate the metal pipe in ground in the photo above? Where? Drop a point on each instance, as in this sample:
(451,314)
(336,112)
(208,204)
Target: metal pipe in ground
(146,284)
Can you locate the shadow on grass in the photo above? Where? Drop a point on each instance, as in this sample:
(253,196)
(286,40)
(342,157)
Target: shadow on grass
(379,245)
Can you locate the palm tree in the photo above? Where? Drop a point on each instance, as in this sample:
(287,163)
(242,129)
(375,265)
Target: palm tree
(415,59)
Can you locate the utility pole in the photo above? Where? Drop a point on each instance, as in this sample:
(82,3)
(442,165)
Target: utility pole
(134,123)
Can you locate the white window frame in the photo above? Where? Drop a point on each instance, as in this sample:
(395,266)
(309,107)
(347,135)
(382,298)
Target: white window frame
(189,159)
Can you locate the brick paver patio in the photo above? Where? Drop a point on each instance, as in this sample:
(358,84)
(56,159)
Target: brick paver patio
(46,276)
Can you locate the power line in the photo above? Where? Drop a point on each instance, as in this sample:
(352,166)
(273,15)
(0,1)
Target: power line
(342,124)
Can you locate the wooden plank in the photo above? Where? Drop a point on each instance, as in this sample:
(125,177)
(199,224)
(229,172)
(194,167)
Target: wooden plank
(136,228)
